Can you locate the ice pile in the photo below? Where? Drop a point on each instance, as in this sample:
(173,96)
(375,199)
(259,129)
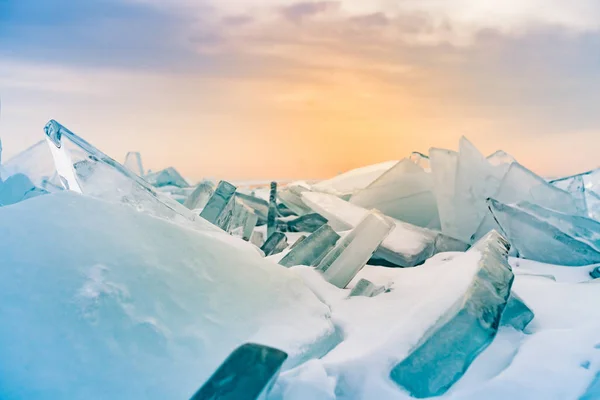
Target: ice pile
(391,281)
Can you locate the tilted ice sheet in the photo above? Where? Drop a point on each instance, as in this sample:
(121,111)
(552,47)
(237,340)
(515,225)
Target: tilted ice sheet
(100,301)
(354,180)
(37,164)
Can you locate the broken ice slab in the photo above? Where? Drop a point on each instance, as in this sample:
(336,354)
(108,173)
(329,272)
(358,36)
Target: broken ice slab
(516,313)
(547,236)
(306,223)
(167,177)
(291,197)
(476,181)
(347,184)
(351,253)
(443,170)
(576,187)
(249,225)
(260,206)
(272,214)
(257,238)
(448,348)
(366,288)
(133,161)
(587,183)
(83,168)
(17,188)
(219,209)
(275,244)
(247,374)
(298,241)
(421,160)
(501,158)
(200,196)
(595,273)
(404,192)
(37,164)
(312,249)
(521,185)
(406,246)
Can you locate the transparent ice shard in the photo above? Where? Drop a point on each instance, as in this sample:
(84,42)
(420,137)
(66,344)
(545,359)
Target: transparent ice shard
(501,158)
(260,206)
(366,288)
(306,223)
(312,249)
(275,244)
(200,196)
(167,177)
(291,197)
(133,161)
(443,169)
(476,181)
(247,374)
(516,313)
(546,236)
(352,252)
(467,328)
(587,183)
(219,209)
(421,160)
(257,238)
(249,225)
(37,164)
(576,187)
(83,168)
(17,188)
(298,241)
(521,185)
(272,214)
(404,192)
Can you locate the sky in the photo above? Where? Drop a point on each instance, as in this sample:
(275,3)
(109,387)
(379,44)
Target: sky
(289,89)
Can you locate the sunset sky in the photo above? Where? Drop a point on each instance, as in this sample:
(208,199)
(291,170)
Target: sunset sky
(282,89)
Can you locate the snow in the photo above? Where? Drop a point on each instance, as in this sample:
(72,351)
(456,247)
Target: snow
(98,300)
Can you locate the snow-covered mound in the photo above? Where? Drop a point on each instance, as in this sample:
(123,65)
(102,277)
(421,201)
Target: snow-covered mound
(98,300)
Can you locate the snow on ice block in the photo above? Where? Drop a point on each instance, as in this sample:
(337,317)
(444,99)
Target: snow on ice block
(247,374)
(17,188)
(366,288)
(312,249)
(404,192)
(516,313)
(449,347)
(219,209)
(100,301)
(406,246)
(544,235)
(348,183)
(352,252)
(200,196)
(167,177)
(83,168)
(306,223)
(133,161)
(274,244)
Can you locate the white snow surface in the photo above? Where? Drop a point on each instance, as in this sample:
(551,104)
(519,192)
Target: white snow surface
(99,301)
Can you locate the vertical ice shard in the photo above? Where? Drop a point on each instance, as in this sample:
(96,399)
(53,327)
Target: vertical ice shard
(167,177)
(17,188)
(247,374)
(467,328)
(219,209)
(133,161)
(272,215)
(476,181)
(311,249)
(83,168)
(443,169)
(249,225)
(366,288)
(275,244)
(547,236)
(352,252)
(306,223)
(200,196)
(516,313)
(404,192)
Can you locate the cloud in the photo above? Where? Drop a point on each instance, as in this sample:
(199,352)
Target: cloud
(300,11)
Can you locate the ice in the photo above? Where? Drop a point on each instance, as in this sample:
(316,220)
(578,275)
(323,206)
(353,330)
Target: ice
(298,241)
(249,225)
(366,288)
(260,206)
(37,164)
(306,223)
(257,238)
(407,245)
(311,250)
(421,160)
(348,183)
(246,374)
(595,273)
(469,326)
(274,244)
(404,192)
(100,301)
(352,251)
(443,169)
(133,161)
(219,209)
(17,188)
(166,177)
(585,188)
(476,180)
(501,158)
(547,236)
(272,214)
(200,196)
(516,313)
(291,197)
(84,169)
